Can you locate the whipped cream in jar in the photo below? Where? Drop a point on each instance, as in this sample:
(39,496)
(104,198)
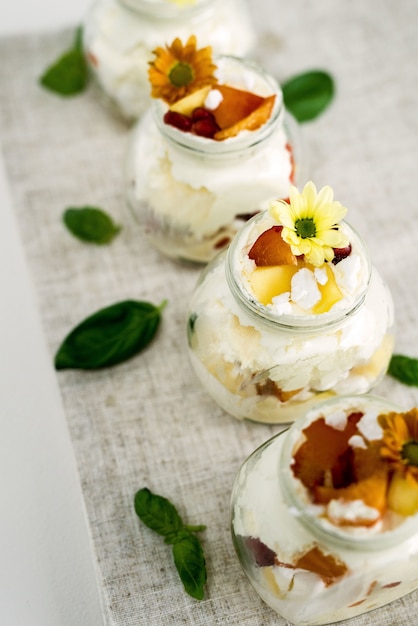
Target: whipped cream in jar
(120,35)
(191,192)
(276,327)
(324,515)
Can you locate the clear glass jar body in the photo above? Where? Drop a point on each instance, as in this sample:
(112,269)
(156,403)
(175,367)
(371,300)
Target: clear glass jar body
(273,528)
(190,193)
(120,35)
(268,368)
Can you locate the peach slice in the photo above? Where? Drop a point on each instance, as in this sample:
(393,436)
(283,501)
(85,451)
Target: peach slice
(403,495)
(321,450)
(328,567)
(271,249)
(253,121)
(235,105)
(270,281)
(189,103)
(371,490)
(330,293)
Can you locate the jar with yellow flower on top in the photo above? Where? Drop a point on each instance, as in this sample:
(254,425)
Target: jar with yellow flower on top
(216,144)
(293,313)
(325,514)
(120,35)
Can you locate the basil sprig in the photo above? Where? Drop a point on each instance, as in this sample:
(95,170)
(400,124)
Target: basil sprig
(404,369)
(161,516)
(109,336)
(68,75)
(306,95)
(90,224)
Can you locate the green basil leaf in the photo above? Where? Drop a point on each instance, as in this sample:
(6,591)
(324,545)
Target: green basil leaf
(161,516)
(157,513)
(90,224)
(404,369)
(174,537)
(68,75)
(190,563)
(109,336)
(308,94)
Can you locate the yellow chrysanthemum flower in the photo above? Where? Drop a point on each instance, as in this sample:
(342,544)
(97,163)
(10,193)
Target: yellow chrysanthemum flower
(180,70)
(400,441)
(310,223)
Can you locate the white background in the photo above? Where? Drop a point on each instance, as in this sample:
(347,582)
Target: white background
(22,16)
(47,575)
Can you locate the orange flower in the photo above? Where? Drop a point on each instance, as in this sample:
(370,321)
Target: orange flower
(178,70)
(400,442)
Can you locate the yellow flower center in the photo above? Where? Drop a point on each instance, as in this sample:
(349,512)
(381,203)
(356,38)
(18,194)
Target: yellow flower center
(305,227)
(181,74)
(410,452)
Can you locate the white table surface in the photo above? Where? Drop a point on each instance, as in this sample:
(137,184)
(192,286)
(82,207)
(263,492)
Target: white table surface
(47,576)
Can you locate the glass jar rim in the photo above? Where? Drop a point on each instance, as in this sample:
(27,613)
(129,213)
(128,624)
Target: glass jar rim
(228,147)
(172,10)
(291,322)
(318,526)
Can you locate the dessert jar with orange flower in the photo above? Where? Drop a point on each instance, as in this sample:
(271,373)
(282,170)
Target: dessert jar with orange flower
(294,312)
(120,35)
(199,167)
(325,514)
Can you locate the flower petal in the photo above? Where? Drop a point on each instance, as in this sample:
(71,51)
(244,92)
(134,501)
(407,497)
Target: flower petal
(315,255)
(325,196)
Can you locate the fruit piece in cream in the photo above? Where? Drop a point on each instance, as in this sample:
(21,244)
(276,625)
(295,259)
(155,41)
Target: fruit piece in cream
(327,561)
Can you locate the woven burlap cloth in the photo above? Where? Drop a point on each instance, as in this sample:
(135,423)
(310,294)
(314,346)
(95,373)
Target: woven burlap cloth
(148,422)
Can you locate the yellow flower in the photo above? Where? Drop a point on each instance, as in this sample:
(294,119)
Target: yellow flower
(400,442)
(180,70)
(310,223)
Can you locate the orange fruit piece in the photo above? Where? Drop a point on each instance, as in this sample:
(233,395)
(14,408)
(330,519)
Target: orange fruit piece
(371,490)
(253,121)
(235,105)
(322,449)
(403,495)
(330,293)
(325,565)
(271,280)
(189,103)
(271,249)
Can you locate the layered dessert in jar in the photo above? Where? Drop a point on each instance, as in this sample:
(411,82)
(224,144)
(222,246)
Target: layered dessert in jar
(325,514)
(294,312)
(120,35)
(214,147)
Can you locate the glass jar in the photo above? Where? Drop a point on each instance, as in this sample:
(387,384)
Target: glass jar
(191,193)
(120,35)
(267,366)
(308,569)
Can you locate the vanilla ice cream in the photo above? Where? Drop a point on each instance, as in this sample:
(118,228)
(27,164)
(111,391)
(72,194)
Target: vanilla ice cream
(120,35)
(307,569)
